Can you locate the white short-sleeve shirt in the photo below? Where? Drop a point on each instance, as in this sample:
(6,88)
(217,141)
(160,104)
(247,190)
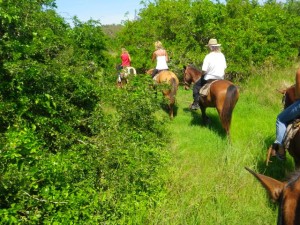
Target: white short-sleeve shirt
(214,65)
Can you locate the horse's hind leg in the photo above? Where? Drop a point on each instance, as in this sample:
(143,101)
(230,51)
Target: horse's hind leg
(171,110)
(205,118)
(171,104)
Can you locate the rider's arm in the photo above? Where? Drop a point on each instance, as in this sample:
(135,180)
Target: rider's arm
(297,87)
(167,57)
(153,56)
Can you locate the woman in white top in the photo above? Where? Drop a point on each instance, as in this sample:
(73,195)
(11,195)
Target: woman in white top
(161,56)
(213,68)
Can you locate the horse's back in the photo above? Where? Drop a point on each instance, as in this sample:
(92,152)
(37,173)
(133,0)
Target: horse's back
(220,88)
(166,76)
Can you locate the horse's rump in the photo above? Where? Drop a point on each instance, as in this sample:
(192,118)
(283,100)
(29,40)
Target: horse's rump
(129,70)
(168,83)
(167,77)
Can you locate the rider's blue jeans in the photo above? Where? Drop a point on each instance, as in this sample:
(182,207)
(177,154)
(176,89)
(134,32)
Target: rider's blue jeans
(284,118)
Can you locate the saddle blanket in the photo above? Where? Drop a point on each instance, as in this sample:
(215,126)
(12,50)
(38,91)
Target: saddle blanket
(291,131)
(204,91)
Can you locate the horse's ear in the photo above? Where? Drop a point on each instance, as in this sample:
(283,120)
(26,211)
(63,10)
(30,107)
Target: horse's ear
(273,186)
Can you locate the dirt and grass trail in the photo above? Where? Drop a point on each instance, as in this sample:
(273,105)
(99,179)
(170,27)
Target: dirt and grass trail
(207,182)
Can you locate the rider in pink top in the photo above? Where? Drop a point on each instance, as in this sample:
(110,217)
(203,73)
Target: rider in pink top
(126,62)
(125,57)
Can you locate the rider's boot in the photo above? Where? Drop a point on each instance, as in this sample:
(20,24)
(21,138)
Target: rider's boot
(280,154)
(195,104)
(277,150)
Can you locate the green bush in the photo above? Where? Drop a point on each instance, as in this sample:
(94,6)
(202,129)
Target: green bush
(74,148)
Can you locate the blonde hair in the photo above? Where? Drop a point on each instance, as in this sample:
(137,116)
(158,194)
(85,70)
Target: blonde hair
(124,50)
(158,45)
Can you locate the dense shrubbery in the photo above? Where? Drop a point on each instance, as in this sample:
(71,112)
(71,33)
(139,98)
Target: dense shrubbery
(73,148)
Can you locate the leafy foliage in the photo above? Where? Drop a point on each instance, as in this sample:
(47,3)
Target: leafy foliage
(252,34)
(74,148)
(64,156)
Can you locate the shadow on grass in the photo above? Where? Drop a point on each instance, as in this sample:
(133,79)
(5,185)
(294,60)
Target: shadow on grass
(277,169)
(214,123)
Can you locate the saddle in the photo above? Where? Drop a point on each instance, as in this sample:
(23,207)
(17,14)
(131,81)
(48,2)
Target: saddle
(291,131)
(204,91)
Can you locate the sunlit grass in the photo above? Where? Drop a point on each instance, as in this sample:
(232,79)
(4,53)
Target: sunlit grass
(207,182)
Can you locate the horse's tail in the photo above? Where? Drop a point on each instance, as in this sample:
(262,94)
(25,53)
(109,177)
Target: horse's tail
(232,96)
(173,84)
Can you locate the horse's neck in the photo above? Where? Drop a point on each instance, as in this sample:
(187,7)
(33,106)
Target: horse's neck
(196,75)
(290,96)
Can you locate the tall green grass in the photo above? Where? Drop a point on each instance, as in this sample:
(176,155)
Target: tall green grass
(207,182)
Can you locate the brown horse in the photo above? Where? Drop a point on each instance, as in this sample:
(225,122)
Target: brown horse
(287,194)
(294,147)
(171,81)
(223,96)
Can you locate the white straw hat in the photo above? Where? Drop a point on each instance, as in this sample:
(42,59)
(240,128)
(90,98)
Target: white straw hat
(213,42)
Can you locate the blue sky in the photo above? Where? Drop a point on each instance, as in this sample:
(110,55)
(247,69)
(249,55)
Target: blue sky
(107,11)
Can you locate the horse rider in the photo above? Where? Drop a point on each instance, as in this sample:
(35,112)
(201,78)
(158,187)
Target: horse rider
(283,119)
(161,56)
(126,61)
(213,68)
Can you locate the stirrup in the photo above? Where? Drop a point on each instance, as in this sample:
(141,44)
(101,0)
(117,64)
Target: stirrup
(273,151)
(194,106)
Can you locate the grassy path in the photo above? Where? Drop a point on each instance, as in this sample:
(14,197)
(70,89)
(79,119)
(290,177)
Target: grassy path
(207,182)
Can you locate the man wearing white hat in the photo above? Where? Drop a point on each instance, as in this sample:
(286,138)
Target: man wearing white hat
(213,68)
